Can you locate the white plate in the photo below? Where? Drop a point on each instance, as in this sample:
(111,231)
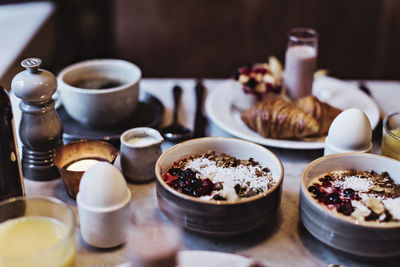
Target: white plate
(198,258)
(202,258)
(335,92)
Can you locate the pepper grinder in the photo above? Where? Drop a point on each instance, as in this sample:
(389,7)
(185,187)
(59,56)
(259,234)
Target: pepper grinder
(40,129)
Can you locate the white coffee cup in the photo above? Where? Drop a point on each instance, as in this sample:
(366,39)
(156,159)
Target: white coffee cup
(84,99)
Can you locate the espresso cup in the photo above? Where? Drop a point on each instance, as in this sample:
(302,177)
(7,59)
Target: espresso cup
(100,92)
(140,149)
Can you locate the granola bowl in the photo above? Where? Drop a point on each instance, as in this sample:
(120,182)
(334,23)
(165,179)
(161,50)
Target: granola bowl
(350,201)
(208,203)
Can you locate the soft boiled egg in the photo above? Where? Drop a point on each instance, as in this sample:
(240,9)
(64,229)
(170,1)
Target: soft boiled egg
(350,131)
(103,185)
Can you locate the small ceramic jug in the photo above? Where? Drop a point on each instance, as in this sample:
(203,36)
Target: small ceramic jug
(140,149)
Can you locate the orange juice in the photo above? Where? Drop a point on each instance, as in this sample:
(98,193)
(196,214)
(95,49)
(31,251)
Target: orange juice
(36,241)
(391,145)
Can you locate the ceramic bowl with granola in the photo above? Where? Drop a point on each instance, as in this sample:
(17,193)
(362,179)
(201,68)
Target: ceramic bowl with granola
(219,186)
(351,201)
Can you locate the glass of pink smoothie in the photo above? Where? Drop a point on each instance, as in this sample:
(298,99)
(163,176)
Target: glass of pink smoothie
(152,242)
(300,62)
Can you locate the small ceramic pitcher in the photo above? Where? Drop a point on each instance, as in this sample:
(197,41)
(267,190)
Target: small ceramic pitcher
(140,149)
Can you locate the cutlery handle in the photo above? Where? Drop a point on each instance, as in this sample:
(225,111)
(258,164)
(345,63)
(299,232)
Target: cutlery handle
(363,87)
(200,120)
(199,96)
(177,92)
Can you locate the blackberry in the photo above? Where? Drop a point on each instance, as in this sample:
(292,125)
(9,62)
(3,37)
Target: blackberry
(348,192)
(188,191)
(334,198)
(313,189)
(205,188)
(188,173)
(251,83)
(326,178)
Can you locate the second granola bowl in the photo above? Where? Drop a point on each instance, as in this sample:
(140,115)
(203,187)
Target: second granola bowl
(346,201)
(220,215)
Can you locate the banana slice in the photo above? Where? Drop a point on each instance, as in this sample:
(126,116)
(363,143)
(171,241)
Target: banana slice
(275,66)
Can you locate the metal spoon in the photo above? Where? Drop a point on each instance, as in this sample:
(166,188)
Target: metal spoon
(176,132)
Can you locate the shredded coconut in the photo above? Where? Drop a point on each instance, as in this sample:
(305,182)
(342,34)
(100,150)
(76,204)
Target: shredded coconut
(356,183)
(230,176)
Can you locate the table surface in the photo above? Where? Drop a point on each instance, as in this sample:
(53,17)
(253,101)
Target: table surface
(286,244)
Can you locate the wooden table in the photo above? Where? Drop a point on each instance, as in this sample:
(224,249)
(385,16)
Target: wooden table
(286,244)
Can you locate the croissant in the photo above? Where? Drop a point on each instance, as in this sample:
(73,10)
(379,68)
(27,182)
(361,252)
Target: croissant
(321,111)
(277,118)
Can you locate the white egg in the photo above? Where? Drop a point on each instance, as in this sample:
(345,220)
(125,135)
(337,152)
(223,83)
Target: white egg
(102,185)
(350,131)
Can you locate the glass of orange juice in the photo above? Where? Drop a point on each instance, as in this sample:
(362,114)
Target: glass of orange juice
(36,231)
(391,136)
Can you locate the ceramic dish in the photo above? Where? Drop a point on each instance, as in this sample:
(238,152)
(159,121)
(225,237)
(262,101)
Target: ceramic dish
(148,113)
(201,258)
(100,91)
(219,217)
(337,93)
(364,239)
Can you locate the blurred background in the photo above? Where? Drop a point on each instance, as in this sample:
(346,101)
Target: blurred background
(203,38)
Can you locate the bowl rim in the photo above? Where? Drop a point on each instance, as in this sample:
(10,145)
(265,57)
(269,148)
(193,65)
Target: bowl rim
(115,151)
(278,183)
(97,62)
(332,215)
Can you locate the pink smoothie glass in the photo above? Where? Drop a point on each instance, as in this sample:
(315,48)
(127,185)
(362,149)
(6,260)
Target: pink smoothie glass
(300,62)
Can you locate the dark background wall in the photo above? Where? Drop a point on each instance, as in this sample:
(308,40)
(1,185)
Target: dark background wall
(208,38)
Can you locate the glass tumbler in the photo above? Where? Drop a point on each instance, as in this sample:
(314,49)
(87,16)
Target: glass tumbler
(153,241)
(300,62)
(36,232)
(391,136)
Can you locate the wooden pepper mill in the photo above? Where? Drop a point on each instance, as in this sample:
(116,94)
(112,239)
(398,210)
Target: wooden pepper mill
(40,129)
